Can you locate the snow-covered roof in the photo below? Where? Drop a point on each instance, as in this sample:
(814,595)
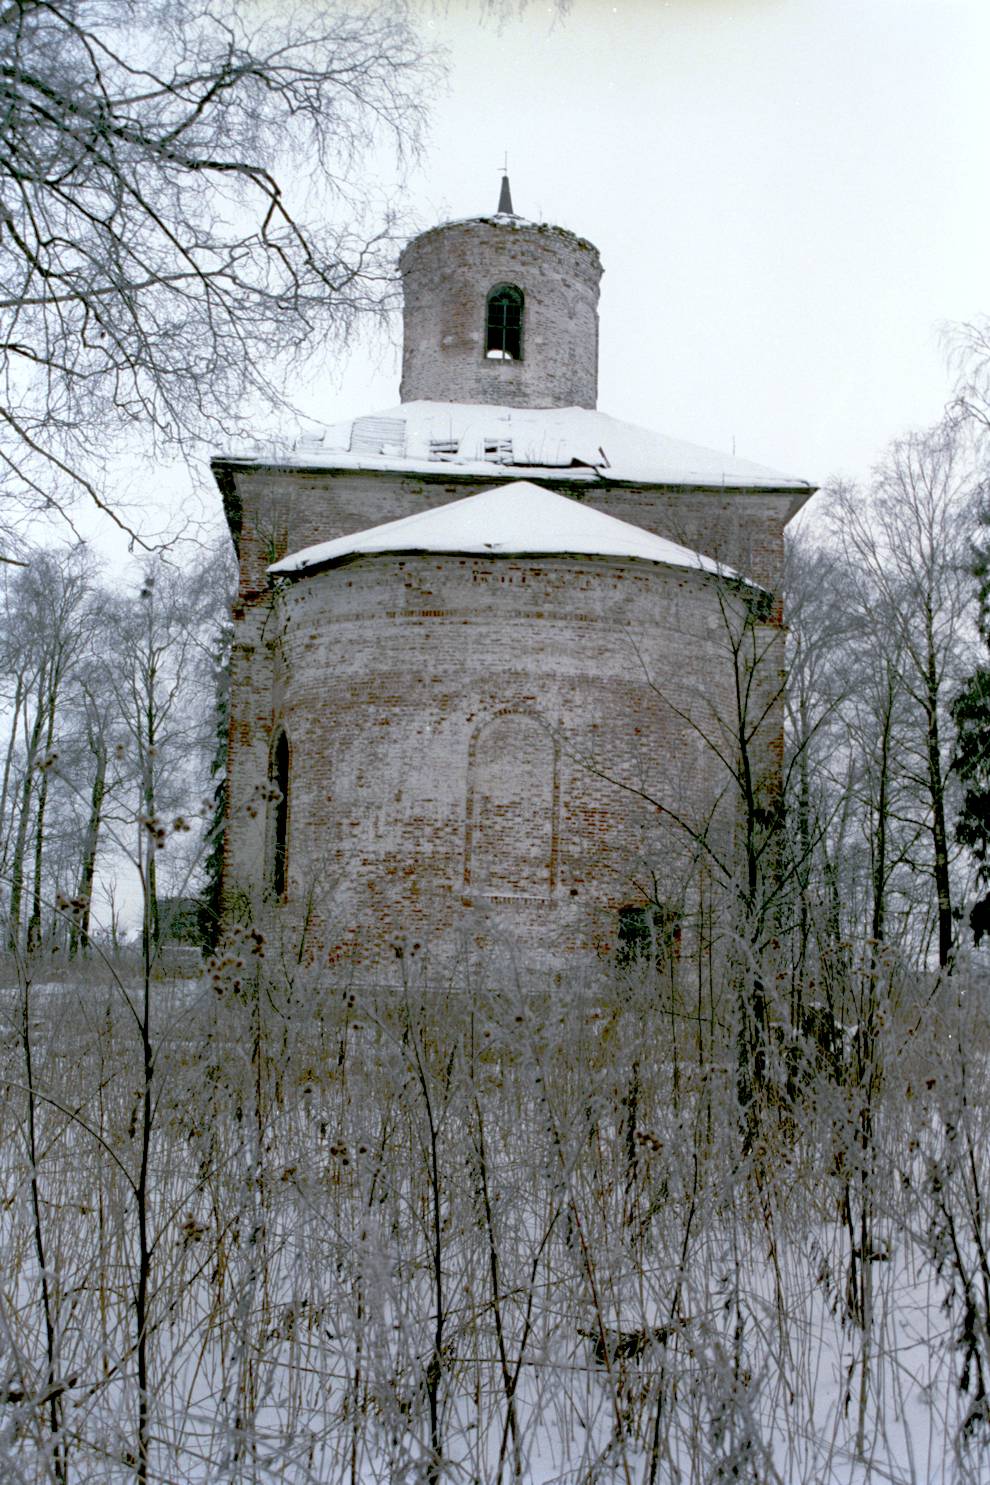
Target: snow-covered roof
(509,219)
(511,519)
(497,219)
(569,443)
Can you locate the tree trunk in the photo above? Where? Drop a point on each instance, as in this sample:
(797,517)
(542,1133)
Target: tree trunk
(940,839)
(936,785)
(34,921)
(20,841)
(79,931)
(804,844)
(7,765)
(147,847)
(878,920)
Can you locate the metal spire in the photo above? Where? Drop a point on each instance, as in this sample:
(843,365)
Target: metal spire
(505,195)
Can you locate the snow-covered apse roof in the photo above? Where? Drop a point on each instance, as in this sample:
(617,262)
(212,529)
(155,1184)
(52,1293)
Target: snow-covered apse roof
(574,443)
(511,519)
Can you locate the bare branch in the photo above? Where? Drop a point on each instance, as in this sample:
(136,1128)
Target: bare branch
(153,273)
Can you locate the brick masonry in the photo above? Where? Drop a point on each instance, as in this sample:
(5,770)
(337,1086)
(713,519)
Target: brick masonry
(447,274)
(482,750)
(486,753)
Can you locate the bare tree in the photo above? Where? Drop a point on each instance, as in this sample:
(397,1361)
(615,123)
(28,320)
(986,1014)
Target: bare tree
(153,274)
(907,537)
(160,679)
(96,722)
(48,633)
(853,808)
(969,355)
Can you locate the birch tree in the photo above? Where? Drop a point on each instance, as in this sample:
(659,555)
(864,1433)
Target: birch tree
(907,535)
(49,631)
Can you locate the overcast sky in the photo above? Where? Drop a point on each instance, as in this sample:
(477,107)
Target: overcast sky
(789,197)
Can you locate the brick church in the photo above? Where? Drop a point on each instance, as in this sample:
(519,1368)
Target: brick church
(485,667)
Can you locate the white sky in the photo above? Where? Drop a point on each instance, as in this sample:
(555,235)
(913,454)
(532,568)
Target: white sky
(789,196)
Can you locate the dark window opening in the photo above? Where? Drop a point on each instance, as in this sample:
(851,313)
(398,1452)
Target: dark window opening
(648,934)
(279,781)
(503,332)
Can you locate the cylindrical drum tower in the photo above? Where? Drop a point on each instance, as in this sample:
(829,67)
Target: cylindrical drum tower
(500,310)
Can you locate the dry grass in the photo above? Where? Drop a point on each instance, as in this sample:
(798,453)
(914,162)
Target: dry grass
(409,1236)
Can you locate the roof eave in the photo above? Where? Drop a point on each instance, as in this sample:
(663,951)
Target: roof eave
(226,464)
(726,575)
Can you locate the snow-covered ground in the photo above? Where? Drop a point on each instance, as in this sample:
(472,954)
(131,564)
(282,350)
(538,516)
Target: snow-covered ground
(489,1236)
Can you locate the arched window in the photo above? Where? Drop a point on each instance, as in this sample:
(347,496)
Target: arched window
(278,814)
(504,323)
